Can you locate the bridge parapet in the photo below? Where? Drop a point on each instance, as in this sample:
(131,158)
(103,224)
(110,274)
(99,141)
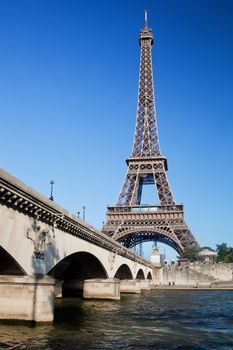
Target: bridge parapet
(18,196)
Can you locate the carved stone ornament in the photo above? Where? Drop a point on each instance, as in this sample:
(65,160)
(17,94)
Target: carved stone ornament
(111,259)
(41,238)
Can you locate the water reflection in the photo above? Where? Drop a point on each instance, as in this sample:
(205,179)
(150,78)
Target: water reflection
(177,320)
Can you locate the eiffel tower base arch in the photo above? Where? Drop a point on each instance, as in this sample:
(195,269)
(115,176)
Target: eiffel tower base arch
(131,226)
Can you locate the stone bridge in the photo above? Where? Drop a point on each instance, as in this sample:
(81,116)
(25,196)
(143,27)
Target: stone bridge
(42,245)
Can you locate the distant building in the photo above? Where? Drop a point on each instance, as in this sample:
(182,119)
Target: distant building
(155,256)
(162,259)
(183,262)
(207,255)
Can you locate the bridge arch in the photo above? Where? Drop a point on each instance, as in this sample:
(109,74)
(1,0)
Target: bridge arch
(8,265)
(131,237)
(140,275)
(74,269)
(149,276)
(124,272)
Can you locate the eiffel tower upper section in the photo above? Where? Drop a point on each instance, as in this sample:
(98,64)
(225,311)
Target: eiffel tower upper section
(146,141)
(146,161)
(131,221)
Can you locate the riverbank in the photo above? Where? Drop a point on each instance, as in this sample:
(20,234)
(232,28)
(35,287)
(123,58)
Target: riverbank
(221,286)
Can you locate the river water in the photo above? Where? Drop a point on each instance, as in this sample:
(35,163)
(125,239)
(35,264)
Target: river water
(176,320)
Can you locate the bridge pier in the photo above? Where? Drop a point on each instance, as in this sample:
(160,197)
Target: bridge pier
(130,286)
(58,289)
(102,288)
(145,284)
(27,298)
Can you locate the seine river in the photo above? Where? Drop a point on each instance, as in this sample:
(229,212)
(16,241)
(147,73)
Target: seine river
(151,320)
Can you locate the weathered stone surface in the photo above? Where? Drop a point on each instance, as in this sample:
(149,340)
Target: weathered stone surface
(102,288)
(27,298)
(194,274)
(130,286)
(145,284)
(220,271)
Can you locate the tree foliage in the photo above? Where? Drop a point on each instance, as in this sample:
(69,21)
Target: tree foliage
(190,253)
(225,253)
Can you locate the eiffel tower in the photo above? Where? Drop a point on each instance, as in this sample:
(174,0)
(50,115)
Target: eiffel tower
(129,221)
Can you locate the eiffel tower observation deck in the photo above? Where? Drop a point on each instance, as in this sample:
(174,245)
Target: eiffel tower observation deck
(129,221)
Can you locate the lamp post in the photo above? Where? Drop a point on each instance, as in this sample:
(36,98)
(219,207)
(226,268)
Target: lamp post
(78,214)
(84,208)
(51,193)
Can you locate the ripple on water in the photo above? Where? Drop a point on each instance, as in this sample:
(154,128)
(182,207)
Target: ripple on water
(173,320)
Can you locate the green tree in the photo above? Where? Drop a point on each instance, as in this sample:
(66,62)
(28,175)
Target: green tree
(229,257)
(225,253)
(190,253)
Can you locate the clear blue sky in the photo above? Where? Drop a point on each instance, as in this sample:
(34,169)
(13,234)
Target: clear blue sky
(68,93)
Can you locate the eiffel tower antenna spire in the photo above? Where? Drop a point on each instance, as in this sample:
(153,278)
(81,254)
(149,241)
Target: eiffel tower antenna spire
(145,21)
(130,221)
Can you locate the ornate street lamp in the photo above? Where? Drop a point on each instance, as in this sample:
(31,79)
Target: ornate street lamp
(84,208)
(51,193)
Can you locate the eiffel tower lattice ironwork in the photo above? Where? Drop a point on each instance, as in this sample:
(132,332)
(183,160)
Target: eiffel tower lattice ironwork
(130,222)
